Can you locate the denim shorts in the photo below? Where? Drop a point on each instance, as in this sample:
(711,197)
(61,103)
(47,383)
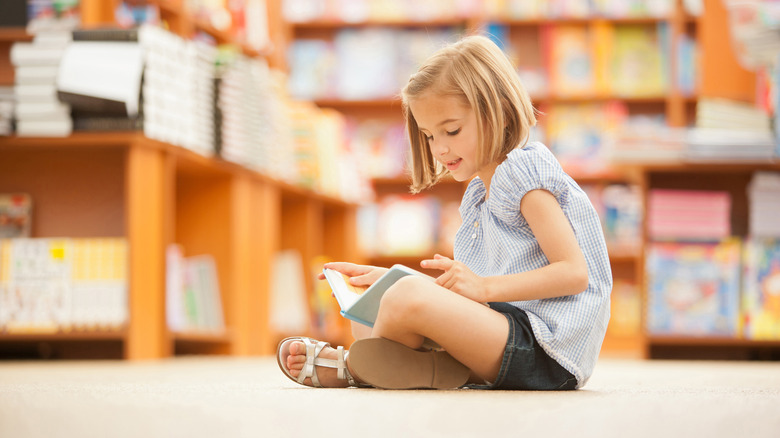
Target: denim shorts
(525,364)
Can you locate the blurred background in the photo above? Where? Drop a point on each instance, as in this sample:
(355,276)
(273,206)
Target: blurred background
(174,173)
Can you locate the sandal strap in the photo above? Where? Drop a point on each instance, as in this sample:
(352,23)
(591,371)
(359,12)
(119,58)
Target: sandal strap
(313,350)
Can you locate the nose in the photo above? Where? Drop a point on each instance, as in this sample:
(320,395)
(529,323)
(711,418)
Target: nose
(439,147)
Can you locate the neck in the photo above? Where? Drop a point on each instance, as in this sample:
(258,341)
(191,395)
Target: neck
(486,175)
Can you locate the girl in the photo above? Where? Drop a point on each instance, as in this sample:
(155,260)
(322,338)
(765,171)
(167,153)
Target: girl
(530,246)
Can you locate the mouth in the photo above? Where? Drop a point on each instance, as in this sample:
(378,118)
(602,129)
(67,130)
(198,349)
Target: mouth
(452,165)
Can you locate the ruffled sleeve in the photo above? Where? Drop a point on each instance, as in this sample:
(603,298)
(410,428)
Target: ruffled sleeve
(529,168)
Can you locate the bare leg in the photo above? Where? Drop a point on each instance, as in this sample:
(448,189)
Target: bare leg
(415,308)
(360,331)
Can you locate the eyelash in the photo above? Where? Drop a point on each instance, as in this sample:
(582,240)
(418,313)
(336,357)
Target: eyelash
(450,133)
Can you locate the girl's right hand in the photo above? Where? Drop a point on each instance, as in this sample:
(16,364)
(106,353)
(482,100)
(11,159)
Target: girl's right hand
(359,275)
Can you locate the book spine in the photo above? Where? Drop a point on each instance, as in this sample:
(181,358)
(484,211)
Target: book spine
(107,124)
(130,35)
(93,104)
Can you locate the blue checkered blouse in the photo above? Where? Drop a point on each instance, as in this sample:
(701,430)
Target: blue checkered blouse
(495,239)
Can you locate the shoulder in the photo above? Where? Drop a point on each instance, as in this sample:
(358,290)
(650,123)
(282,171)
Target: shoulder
(532,166)
(525,169)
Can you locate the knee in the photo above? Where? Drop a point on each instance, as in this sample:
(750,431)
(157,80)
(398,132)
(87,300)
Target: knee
(405,298)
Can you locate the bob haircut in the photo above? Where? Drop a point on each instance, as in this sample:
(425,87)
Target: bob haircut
(477,72)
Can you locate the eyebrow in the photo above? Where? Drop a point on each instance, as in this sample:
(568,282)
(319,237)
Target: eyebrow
(443,122)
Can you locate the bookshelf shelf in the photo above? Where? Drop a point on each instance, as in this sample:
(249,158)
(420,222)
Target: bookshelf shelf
(202,337)
(579,21)
(13,34)
(710,341)
(108,335)
(332,25)
(161,194)
(733,178)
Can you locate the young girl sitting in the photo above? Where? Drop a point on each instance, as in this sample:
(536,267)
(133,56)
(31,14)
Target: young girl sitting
(530,246)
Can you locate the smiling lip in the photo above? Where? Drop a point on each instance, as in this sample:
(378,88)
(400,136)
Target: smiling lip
(452,165)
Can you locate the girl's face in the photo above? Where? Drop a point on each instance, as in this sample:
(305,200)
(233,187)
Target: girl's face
(451,130)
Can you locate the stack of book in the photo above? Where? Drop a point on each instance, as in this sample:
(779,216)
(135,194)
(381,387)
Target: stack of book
(688,215)
(764,204)
(730,131)
(51,285)
(38,111)
(193,301)
(100,78)
(7,104)
(178,90)
(646,138)
(254,123)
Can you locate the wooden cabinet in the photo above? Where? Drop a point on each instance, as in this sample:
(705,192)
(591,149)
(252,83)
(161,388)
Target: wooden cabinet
(154,194)
(730,178)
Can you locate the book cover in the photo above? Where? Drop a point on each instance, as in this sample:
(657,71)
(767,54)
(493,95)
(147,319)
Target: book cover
(571,61)
(693,288)
(761,288)
(15,215)
(637,65)
(361,304)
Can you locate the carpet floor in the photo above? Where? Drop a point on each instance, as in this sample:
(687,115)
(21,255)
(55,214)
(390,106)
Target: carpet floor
(249,397)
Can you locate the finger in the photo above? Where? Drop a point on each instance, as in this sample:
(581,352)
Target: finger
(349,269)
(443,279)
(437,263)
(361,280)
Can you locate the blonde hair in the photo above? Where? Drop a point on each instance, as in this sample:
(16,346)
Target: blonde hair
(477,71)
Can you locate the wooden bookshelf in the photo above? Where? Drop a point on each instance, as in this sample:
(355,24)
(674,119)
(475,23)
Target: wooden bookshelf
(154,194)
(122,184)
(734,179)
(719,75)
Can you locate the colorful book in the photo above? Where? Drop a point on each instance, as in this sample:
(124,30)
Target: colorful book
(15,215)
(571,60)
(637,63)
(693,288)
(691,215)
(761,288)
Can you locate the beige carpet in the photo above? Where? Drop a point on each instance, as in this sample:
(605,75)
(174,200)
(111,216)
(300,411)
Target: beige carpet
(226,397)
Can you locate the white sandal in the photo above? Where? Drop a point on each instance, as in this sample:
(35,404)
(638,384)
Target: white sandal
(313,350)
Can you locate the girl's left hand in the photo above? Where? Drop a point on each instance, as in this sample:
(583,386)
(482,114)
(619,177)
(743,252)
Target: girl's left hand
(458,278)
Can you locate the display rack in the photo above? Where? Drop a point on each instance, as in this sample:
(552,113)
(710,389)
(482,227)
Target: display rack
(122,184)
(719,75)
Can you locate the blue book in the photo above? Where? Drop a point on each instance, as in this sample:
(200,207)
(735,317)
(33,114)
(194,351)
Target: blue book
(361,304)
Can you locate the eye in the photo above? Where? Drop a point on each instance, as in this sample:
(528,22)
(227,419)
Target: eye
(428,137)
(455,132)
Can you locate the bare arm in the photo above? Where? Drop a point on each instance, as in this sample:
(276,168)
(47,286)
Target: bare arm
(566,274)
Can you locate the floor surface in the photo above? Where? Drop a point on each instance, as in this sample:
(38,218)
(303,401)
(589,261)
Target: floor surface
(229,397)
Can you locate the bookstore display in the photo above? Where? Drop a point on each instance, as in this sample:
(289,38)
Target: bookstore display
(249,142)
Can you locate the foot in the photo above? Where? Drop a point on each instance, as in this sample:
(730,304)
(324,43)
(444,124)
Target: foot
(327,376)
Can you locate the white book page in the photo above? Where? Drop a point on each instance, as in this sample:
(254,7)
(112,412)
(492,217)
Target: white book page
(104,69)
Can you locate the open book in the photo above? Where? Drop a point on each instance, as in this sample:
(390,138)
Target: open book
(361,304)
